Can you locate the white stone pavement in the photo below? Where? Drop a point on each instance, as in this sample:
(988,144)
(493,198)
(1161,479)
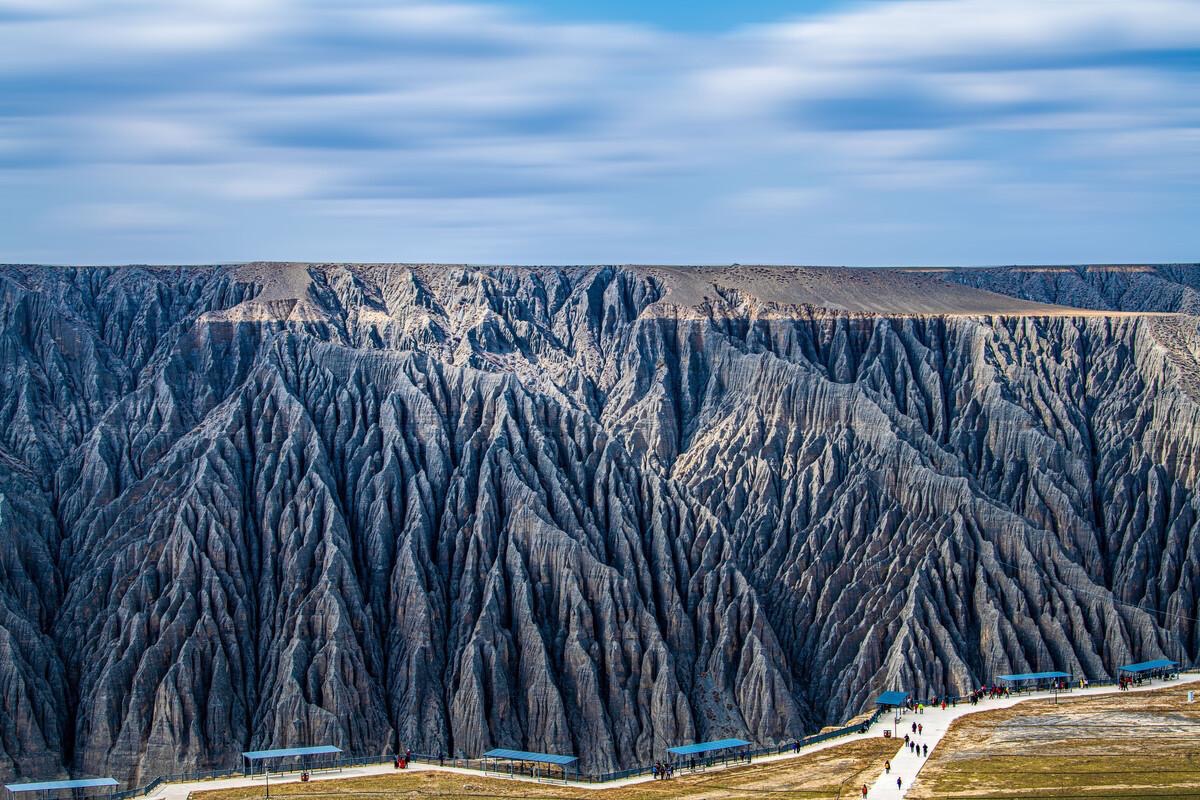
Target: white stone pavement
(905,765)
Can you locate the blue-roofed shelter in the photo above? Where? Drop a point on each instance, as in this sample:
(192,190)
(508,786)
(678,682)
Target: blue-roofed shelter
(1148,670)
(707,750)
(892,699)
(706,747)
(304,754)
(1056,681)
(1033,676)
(525,762)
(45,787)
(1149,666)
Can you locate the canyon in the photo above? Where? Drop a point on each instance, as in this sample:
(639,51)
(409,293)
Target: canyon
(597,510)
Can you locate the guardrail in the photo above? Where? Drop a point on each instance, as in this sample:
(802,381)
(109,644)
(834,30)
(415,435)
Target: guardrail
(478,764)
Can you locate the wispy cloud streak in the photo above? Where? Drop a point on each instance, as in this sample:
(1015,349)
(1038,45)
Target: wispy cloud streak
(644,142)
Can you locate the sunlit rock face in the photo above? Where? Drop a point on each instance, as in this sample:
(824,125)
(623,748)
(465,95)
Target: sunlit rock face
(593,510)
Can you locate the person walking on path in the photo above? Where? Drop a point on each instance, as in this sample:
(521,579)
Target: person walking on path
(897,784)
(887,768)
(921,729)
(925,748)
(864,790)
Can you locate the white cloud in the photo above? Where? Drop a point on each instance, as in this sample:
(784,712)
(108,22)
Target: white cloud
(939,29)
(776,199)
(379,107)
(125,217)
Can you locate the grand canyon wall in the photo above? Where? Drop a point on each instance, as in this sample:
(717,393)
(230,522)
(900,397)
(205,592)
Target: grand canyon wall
(597,510)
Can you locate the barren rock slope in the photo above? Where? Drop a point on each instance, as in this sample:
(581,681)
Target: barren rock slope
(596,510)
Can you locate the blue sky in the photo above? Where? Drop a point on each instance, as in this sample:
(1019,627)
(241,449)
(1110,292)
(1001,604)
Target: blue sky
(557,131)
(702,15)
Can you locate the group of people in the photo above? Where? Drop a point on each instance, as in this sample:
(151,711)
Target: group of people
(913,747)
(935,702)
(988,692)
(663,770)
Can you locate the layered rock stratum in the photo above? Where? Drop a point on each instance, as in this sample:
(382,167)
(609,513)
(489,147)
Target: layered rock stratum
(596,510)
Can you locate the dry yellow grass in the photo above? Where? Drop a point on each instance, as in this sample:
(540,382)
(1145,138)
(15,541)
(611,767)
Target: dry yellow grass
(1127,745)
(814,777)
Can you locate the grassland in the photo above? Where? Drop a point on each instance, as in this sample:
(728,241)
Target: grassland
(1130,745)
(819,776)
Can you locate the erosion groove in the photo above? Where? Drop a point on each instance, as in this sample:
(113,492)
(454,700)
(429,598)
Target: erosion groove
(596,510)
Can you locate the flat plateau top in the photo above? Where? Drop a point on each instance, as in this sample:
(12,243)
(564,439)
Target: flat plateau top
(736,289)
(904,291)
(856,290)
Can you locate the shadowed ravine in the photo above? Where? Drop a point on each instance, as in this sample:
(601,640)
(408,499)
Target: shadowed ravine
(594,510)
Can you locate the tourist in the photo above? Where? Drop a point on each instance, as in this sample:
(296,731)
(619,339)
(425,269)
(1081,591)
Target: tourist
(887,768)
(864,790)
(921,729)
(897,784)
(925,747)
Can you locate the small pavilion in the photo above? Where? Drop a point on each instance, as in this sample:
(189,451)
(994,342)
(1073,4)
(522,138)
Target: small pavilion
(270,759)
(890,700)
(1148,670)
(76,787)
(1033,681)
(707,750)
(524,762)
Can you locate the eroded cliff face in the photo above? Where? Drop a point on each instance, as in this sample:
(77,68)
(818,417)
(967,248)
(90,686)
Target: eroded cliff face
(589,510)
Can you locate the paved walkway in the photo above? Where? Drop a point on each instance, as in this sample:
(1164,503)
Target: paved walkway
(180,791)
(905,765)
